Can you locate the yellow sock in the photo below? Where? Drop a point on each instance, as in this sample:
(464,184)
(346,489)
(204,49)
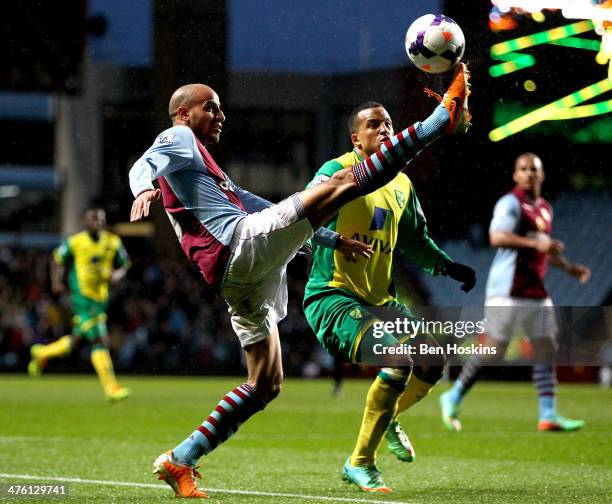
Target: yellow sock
(415,391)
(379,409)
(102,363)
(58,348)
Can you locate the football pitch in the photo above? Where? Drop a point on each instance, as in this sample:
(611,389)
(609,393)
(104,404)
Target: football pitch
(59,430)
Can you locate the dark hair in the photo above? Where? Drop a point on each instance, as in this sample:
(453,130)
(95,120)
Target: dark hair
(352,119)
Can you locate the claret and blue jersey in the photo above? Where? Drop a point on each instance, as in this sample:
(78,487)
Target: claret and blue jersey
(203,204)
(200,200)
(519,273)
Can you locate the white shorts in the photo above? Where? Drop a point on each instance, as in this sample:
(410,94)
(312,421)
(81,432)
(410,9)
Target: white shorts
(255,283)
(504,316)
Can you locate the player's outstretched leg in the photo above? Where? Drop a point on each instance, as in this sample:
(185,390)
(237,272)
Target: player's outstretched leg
(36,364)
(40,354)
(451,116)
(455,100)
(544,379)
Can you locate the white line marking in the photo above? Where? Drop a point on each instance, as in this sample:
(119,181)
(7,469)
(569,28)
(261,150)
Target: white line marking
(212,490)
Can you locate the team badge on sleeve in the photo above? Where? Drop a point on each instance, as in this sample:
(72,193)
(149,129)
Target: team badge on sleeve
(166,138)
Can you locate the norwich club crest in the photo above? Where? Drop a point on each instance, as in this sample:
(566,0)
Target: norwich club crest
(356,314)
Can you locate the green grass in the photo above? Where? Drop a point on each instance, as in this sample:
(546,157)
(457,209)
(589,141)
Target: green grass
(60,427)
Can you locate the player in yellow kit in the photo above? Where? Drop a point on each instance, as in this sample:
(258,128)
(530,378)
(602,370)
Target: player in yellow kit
(93,259)
(342,290)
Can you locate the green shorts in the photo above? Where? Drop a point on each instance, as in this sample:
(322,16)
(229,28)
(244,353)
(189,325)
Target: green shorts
(89,320)
(340,320)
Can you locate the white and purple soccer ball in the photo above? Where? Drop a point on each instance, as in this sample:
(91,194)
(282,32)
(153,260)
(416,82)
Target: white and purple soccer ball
(435,43)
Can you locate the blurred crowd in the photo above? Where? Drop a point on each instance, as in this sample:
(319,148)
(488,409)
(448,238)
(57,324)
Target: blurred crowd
(161,319)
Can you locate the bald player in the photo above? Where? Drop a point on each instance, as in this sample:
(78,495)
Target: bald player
(242,243)
(515,294)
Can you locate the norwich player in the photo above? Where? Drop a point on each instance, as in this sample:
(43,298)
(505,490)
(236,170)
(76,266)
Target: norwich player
(94,258)
(341,288)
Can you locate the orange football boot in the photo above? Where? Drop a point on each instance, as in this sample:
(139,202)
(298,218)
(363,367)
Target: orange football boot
(181,477)
(455,100)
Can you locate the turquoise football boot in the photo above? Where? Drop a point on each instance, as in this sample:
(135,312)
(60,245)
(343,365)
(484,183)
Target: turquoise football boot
(367,478)
(450,412)
(560,424)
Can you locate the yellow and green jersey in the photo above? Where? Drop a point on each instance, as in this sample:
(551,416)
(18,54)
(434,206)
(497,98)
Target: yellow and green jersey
(391,221)
(91,263)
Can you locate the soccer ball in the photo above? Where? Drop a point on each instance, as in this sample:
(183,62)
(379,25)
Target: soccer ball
(435,43)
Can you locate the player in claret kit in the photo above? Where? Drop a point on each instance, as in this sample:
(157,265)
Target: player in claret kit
(242,243)
(516,296)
